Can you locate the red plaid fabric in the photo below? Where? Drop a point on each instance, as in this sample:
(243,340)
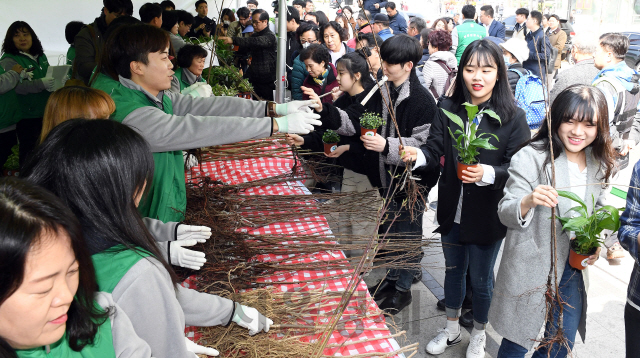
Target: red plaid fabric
(340,343)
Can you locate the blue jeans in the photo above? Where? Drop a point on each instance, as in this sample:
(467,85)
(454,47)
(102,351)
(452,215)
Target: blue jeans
(478,261)
(571,287)
(412,230)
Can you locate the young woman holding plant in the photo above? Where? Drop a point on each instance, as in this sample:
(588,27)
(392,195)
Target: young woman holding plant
(467,208)
(583,155)
(101,169)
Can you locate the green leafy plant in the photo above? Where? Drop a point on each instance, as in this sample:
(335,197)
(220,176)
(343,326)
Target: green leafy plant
(12,160)
(330,136)
(222,91)
(244,86)
(587,227)
(371,120)
(467,140)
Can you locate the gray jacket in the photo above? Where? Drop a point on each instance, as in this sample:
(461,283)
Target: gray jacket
(26,86)
(164,233)
(581,73)
(197,122)
(518,306)
(177,42)
(9,80)
(159,311)
(126,342)
(434,74)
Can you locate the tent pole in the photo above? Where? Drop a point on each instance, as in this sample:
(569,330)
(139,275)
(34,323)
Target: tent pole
(281,63)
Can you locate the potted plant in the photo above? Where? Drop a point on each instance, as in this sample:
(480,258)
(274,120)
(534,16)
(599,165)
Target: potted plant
(587,228)
(330,139)
(369,123)
(244,89)
(467,140)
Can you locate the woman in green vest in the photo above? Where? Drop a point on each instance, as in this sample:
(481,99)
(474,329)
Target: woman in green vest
(21,46)
(100,169)
(9,109)
(191,61)
(47,303)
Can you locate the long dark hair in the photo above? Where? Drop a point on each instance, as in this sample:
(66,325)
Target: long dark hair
(353,63)
(26,213)
(97,167)
(489,54)
(580,103)
(9,47)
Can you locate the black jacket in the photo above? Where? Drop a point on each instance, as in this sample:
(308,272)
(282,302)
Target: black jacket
(262,47)
(514,77)
(479,222)
(539,47)
(197,21)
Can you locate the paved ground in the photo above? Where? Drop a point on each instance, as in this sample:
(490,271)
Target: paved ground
(605,315)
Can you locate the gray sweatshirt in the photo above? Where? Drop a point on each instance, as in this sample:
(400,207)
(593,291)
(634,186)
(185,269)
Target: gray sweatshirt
(164,233)
(26,87)
(8,80)
(197,122)
(126,342)
(159,311)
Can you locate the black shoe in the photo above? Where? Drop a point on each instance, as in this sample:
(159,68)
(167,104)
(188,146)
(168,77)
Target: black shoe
(396,303)
(386,289)
(466,304)
(466,320)
(418,277)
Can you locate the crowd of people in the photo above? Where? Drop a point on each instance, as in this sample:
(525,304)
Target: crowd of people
(91,229)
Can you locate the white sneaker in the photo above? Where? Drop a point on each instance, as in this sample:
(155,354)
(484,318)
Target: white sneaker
(476,346)
(442,341)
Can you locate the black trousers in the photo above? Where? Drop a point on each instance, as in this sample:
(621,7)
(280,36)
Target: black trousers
(7,141)
(632,331)
(28,130)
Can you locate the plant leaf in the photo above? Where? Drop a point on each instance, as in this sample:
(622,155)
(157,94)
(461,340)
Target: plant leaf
(580,210)
(454,118)
(576,224)
(493,115)
(574,197)
(472,110)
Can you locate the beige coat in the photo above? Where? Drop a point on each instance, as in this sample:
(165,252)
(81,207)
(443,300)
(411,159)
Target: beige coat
(558,40)
(518,306)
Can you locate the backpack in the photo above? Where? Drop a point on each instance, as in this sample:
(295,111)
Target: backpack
(451,77)
(530,97)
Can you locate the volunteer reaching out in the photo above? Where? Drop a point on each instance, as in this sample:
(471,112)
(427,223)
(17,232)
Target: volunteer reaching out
(137,72)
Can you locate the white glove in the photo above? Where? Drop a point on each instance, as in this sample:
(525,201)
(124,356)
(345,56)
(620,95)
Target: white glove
(198,89)
(251,319)
(198,349)
(295,106)
(298,123)
(184,257)
(190,161)
(24,75)
(49,83)
(191,232)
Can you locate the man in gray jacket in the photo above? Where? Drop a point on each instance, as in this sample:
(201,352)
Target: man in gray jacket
(584,70)
(89,40)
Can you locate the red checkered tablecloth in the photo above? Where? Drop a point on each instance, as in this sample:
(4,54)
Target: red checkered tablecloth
(344,341)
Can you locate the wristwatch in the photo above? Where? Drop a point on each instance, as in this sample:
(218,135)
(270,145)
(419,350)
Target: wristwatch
(271,109)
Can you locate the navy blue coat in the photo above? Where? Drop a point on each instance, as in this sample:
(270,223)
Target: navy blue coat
(368,5)
(497,29)
(398,23)
(539,47)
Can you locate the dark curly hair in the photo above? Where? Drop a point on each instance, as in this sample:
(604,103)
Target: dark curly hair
(9,47)
(440,39)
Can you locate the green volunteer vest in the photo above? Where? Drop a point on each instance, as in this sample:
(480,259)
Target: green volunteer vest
(9,107)
(167,196)
(71,55)
(113,263)
(183,81)
(32,104)
(102,347)
(468,32)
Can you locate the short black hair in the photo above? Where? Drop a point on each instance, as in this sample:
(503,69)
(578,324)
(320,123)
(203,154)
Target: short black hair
(167,3)
(308,26)
(188,52)
(317,53)
(321,17)
(169,19)
(185,16)
(390,5)
(200,2)
(371,38)
(615,42)
(253,2)
(244,12)
(299,3)
(119,6)
(400,49)
(149,11)
(424,35)
(522,11)
(556,16)
(418,23)
(488,10)
(263,14)
(71,30)
(537,15)
(468,11)
(293,14)
(8,46)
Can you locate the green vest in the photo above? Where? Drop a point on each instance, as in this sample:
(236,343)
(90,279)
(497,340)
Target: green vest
(183,81)
(32,104)
(468,32)
(71,55)
(102,347)
(9,107)
(113,263)
(166,199)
